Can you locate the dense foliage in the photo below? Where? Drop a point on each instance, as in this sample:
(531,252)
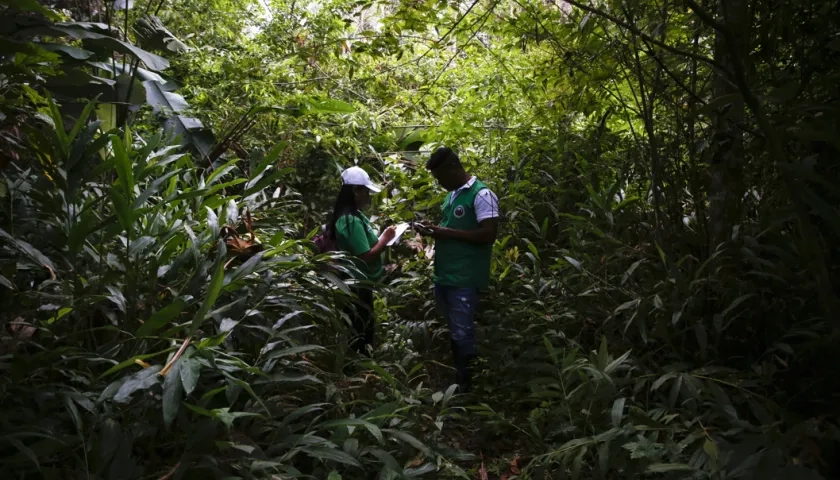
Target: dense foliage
(664,285)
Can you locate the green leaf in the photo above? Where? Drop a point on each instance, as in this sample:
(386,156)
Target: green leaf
(732,306)
(293,351)
(123,165)
(163,101)
(31,6)
(220,172)
(190,371)
(409,439)
(337,282)
(326,453)
(603,354)
(93,39)
(387,459)
(300,412)
(271,156)
(246,268)
(26,451)
(350,422)
(132,361)
(669,467)
(125,214)
(192,133)
(74,413)
(313,106)
(262,180)
(107,112)
(711,449)
(142,380)
(162,317)
(153,188)
(334,476)
(573,262)
(173,393)
(420,471)
(29,250)
(62,312)
(617,411)
(450,392)
(232,213)
(213,289)
(81,122)
(227,417)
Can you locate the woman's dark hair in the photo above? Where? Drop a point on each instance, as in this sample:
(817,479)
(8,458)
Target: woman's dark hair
(345,204)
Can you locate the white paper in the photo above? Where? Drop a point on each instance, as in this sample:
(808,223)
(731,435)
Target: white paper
(401,228)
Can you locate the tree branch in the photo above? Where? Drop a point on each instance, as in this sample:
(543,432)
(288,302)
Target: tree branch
(645,36)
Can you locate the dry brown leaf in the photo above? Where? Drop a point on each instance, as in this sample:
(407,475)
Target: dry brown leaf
(20,330)
(482,472)
(169,474)
(249,224)
(514,465)
(236,246)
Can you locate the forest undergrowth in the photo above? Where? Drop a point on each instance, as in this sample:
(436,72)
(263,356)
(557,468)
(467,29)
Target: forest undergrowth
(664,283)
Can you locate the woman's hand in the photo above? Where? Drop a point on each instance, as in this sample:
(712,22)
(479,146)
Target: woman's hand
(389,234)
(381,244)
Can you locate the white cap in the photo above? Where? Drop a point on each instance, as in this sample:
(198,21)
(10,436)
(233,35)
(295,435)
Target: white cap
(357,176)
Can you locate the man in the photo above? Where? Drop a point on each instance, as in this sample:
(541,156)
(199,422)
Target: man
(463,246)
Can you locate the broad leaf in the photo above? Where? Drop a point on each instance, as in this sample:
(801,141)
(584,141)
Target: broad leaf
(173,393)
(142,380)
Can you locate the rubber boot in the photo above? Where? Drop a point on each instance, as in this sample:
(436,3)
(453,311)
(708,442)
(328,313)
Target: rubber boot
(462,374)
(462,362)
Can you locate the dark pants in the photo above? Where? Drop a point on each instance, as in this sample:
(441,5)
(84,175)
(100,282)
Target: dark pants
(458,306)
(360,311)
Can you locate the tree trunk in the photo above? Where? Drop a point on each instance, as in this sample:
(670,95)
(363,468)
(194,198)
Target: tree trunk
(726,184)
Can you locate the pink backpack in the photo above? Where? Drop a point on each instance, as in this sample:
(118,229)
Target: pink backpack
(323,242)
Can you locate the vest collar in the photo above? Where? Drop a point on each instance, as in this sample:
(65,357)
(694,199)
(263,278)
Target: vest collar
(460,189)
(465,186)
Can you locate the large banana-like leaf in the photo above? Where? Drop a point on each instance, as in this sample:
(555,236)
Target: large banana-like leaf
(151,34)
(161,100)
(192,133)
(91,36)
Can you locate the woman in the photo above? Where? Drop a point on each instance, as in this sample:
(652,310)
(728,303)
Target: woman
(351,231)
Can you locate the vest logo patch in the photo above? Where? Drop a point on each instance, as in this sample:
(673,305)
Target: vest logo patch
(459,211)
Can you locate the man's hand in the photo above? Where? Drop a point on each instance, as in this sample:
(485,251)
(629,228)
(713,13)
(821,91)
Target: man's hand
(485,233)
(425,230)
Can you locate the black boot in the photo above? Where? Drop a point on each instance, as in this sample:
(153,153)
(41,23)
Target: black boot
(463,376)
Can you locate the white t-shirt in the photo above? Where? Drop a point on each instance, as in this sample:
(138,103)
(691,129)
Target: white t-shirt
(486,202)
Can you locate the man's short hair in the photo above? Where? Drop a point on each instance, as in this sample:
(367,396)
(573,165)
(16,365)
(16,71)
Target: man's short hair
(441,156)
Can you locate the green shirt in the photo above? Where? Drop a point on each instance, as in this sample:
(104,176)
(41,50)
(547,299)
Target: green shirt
(355,236)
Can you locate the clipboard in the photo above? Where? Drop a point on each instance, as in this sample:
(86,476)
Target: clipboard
(400,229)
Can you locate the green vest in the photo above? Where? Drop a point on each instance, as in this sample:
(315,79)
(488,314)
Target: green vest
(459,263)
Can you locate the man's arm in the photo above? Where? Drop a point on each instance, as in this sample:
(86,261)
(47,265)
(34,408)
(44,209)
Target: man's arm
(486,213)
(485,233)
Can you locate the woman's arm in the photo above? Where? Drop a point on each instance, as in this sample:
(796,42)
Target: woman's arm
(377,249)
(354,233)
